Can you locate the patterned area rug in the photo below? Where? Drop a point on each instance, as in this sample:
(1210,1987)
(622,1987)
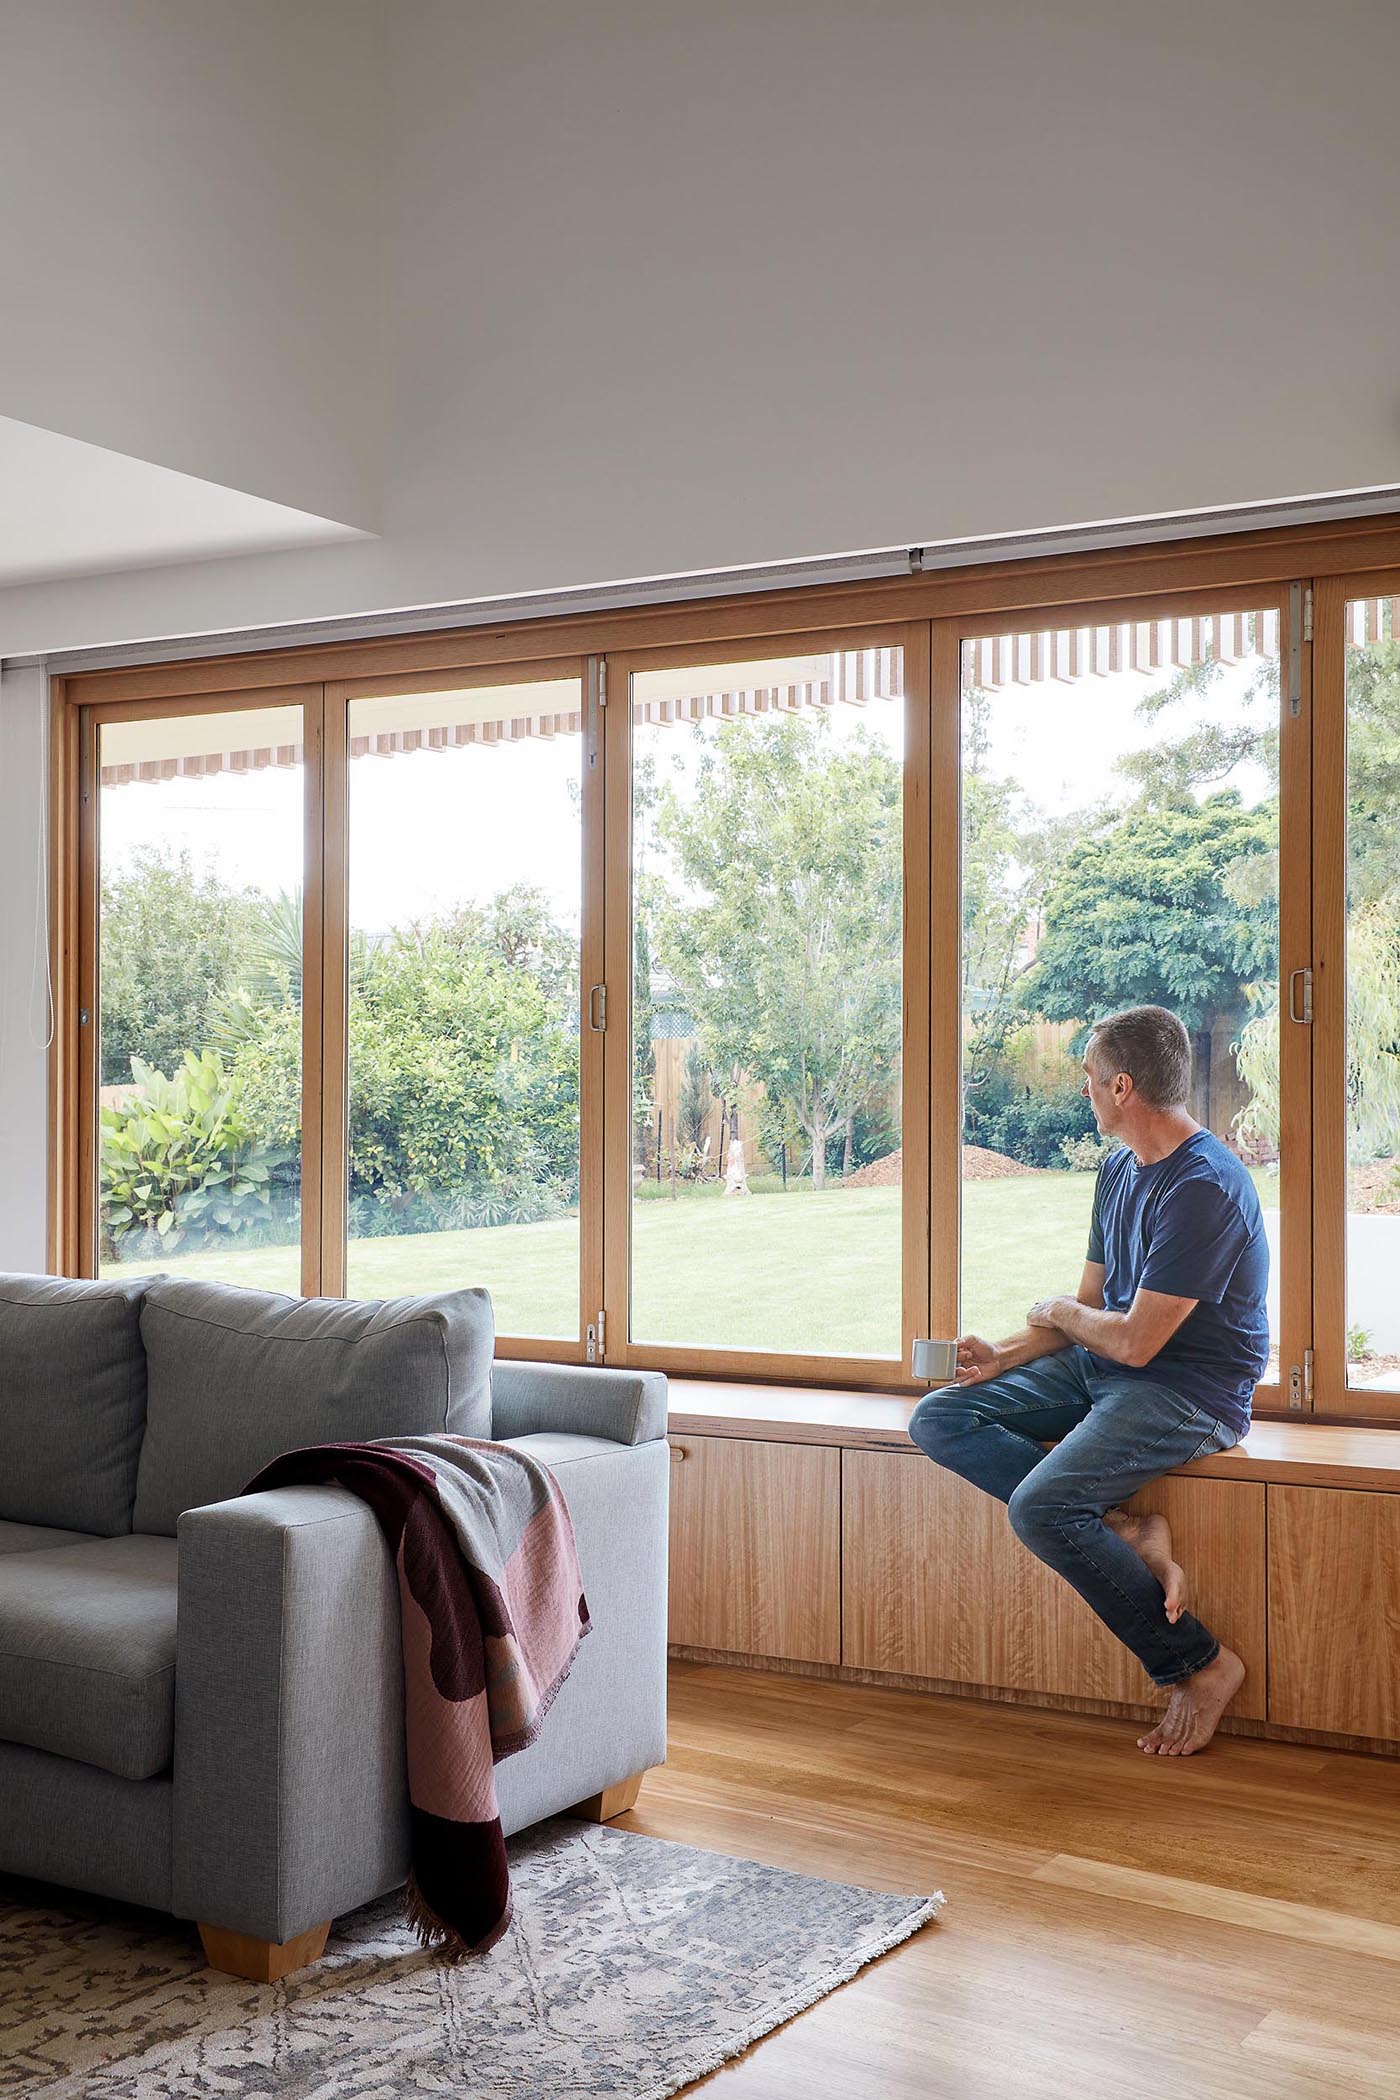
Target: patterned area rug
(632,1967)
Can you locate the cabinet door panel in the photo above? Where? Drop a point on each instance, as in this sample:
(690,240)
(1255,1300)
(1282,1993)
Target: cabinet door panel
(756,1548)
(936,1584)
(1334,1611)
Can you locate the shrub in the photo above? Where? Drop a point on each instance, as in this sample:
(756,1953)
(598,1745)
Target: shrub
(182,1155)
(508,1202)
(463,1080)
(1085,1155)
(877,1131)
(1033,1127)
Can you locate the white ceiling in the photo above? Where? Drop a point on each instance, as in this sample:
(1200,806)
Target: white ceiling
(549,297)
(70,509)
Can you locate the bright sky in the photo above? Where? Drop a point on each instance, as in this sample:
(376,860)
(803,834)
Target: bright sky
(1061,742)
(428,829)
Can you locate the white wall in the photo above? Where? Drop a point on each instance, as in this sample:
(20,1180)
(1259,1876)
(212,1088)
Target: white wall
(23,978)
(191,238)
(674,286)
(668,286)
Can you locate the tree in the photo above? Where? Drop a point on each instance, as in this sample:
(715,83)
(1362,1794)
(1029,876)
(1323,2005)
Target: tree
(644,895)
(997,885)
(1172,774)
(1156,909)
(781,925)
(174,947)
(1373,1044)
(1373,772)
(1010,851)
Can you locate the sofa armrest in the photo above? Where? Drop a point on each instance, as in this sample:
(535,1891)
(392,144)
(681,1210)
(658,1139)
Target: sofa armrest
(290,1792)
(627,1407)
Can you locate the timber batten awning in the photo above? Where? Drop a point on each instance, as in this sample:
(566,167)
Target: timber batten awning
(1148,647)
(193,747)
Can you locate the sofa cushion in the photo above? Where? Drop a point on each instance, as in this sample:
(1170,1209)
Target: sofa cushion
(87,1652)
(37,1538)
(72,1401)
(236,1376)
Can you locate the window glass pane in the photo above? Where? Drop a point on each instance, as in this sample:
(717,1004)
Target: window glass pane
(465,890)
(1120,848)
(200,829)
(1373,993)
(767,895)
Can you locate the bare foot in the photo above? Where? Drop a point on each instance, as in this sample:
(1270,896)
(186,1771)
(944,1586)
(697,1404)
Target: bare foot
(1151,1540)
(1194,1709)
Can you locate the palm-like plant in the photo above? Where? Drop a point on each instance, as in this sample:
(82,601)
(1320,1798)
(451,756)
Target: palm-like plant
(271,973)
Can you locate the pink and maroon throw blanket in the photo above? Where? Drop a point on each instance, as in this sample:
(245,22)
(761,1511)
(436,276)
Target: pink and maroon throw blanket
(493,1614)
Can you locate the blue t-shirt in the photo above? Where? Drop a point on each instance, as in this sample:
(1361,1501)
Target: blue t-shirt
(1189,1226)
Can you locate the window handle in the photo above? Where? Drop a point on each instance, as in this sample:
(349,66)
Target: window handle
(1302,1014)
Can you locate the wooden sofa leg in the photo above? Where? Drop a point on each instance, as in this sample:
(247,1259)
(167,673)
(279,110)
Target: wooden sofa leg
(262,1961)
(613,1801)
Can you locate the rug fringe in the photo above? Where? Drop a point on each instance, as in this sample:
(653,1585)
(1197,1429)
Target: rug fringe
(769,2022)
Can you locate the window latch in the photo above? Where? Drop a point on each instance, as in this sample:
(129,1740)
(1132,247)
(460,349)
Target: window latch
(1300,1384)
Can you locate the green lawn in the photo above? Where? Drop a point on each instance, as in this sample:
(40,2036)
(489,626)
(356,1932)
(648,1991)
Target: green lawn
(796,1272)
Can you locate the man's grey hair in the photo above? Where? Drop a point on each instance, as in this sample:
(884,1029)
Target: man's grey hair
(1151,1046)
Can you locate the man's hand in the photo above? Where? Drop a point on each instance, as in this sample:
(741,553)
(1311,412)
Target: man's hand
(1132,1337)
(977,1360)
(1045,1311)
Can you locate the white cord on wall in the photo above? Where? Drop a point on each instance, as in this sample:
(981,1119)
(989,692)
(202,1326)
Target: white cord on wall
(5,971)
(41,893)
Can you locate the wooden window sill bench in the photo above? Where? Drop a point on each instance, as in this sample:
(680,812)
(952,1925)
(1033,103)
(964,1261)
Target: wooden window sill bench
(808,1534)
(1292,1454)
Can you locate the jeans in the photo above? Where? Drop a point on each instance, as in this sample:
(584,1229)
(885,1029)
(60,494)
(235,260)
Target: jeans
(1113,1435)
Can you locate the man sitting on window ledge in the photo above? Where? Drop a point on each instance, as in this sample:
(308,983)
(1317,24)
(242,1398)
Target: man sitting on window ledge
(1152,1364)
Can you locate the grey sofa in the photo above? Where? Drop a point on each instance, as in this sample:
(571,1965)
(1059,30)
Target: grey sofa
(201,1703)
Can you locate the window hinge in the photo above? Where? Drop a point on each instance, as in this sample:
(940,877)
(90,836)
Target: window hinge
(598,1008)
(1300,1383)
(1307,614)
(1300,1011)
(596,1337)
(83,1017)
(597,699)
(1299,629)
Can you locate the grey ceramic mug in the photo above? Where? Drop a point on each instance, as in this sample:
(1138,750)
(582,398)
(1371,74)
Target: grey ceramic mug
(937,1362)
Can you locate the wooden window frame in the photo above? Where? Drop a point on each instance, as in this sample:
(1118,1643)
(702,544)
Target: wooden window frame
(1333,1398)
(340,695)
(1340,560)
(784,1366)
(1295,869)
(75,940)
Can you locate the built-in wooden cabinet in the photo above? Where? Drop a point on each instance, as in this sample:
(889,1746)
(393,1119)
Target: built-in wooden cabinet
(936,1584)
(756,1548)
(870,1560)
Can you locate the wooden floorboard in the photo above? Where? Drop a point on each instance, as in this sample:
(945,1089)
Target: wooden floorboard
(1223,1928)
